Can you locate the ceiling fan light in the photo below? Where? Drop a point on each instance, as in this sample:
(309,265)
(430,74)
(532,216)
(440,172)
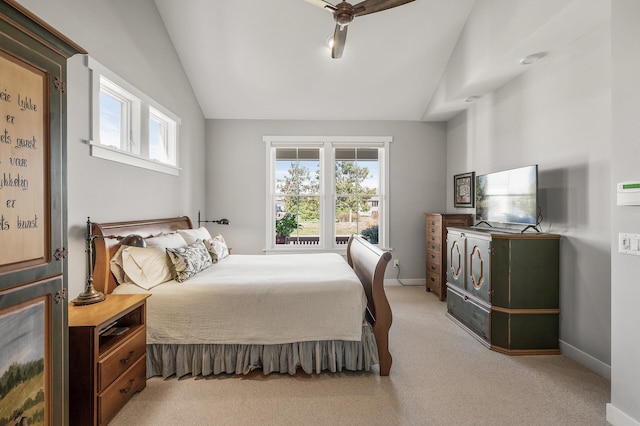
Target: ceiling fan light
(329,42)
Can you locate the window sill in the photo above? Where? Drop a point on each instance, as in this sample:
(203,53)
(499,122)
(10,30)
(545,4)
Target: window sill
(106,153)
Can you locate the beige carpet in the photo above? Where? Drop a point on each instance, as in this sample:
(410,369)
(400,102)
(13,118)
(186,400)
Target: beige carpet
(440,376)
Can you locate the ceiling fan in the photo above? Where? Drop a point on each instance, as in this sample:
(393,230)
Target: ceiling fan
(343,14)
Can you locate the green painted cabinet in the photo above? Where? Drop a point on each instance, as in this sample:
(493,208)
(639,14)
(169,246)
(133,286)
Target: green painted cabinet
(504,288)
(33,221)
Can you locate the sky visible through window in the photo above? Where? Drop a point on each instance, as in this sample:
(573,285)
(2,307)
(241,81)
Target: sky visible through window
(110,120)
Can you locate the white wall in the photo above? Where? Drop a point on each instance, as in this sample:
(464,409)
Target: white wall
(625,291)
(236,172)
(129,38)
(556,115)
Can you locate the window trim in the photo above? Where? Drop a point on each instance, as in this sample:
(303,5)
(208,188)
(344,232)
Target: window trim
(138,126)
(328,181)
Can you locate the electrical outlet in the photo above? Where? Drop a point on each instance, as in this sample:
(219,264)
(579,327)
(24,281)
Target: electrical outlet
(396,263)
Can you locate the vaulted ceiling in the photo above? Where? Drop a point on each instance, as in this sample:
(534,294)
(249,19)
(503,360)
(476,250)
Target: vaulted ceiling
(258,59)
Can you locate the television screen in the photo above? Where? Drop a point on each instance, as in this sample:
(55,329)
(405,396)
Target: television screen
(510,196)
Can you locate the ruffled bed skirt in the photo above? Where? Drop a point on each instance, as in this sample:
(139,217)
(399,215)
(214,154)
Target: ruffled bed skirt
(205,359)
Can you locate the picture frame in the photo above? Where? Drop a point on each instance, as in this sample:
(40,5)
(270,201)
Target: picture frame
(464,190)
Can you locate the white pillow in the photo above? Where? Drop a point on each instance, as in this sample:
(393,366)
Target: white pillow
(174,240)
(193,235)
(115,264)
(146,267)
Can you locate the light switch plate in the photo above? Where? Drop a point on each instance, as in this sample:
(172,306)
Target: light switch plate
(629,243)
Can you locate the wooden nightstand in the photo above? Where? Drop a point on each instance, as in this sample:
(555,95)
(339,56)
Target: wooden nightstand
(107,356)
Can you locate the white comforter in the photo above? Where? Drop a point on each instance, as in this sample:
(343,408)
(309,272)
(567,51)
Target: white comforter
(254,299)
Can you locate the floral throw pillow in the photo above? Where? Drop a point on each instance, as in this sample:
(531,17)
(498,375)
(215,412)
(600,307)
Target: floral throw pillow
(220,247)
(188,261)
(212,250)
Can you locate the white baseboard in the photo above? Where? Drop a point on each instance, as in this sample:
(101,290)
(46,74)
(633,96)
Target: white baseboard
(585,359)
(409,281)
(619,418)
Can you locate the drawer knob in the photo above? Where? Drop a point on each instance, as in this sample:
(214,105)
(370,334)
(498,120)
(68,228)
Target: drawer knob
(433,238)
(433,246)
(433,256)
(433,229)
(128,388)
(127,359)
(433,279)
(433,222)
(433,268)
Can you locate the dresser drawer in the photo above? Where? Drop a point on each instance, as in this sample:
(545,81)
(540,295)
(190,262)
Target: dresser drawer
(434,281)
(433,267)
(116,395)
(473,315)
(434,220)
(434,246)
(111,366)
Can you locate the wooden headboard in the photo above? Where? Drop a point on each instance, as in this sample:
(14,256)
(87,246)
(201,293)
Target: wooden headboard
(105,248)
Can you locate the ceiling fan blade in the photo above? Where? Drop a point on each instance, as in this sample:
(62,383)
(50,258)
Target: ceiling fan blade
(339,39)
(323,4)
(371,6)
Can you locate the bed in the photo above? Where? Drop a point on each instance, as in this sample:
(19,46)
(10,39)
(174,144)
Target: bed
(278,313)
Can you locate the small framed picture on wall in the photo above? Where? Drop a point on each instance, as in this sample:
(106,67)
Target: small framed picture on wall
(464,190)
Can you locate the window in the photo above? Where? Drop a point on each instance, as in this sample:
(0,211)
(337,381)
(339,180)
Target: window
(323,189)
(128,126)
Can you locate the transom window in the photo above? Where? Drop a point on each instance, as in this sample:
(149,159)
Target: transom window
(323,189)
(128,126)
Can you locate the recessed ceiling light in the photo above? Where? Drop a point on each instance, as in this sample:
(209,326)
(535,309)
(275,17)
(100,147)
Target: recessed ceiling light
(528,60)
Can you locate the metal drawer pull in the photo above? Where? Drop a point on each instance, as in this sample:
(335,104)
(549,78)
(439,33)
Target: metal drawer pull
(433,238)
(433,268)
(127,359)
(433,246)
(433,256)
(433,229)
(128,388)
(433,279)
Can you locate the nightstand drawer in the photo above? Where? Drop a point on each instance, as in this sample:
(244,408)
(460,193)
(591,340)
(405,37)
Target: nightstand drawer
(111,366)
(116,395)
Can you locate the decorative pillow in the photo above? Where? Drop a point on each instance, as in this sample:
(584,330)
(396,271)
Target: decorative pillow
(146,267)
(187,261)
(192,235)
(174,240)
(210,248)
(220,247)
(115,264)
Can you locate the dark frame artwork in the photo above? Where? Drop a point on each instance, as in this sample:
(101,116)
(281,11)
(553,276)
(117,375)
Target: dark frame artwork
(464,190)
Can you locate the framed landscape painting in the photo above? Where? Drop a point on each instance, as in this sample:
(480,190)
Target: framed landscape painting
(463,190)
(24,372)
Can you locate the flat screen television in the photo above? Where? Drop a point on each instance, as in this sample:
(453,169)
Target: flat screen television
(509,196)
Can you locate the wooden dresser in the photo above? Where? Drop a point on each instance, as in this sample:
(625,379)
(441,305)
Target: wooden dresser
(436,226)
(107,357)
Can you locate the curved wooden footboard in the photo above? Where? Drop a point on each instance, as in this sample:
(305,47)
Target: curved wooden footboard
(369,264)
